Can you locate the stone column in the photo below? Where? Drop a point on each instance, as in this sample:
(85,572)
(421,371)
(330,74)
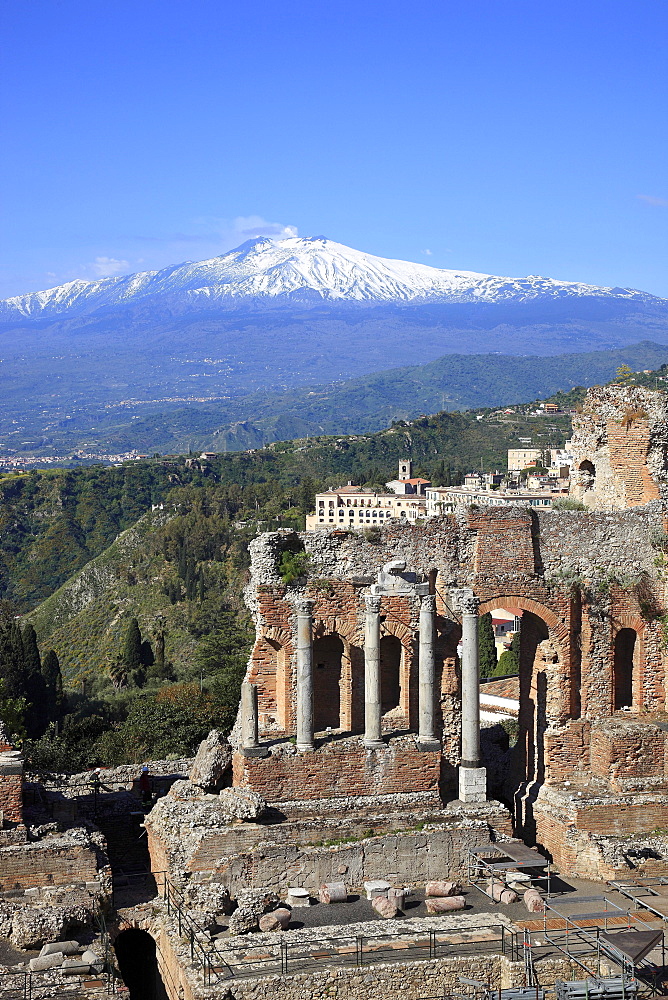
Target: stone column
(426,692)
(372,705)
(250,746)
(305,675)
(472,777)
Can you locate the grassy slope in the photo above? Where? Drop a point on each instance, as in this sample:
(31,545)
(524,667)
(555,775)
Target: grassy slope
(85,620)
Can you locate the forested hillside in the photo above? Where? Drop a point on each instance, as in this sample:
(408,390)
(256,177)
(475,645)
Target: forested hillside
(52,523)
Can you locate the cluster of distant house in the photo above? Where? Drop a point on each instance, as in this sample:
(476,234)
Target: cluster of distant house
(411,498)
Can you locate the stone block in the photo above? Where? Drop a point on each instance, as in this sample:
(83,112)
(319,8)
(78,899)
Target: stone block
(376,888)
(384,907)
(333,892)
(75,967)
(533,901)
(298,897)
(277,920)
(66,947)
(213,762)
(43,962)
(473,784)
(444,904)
(440,888)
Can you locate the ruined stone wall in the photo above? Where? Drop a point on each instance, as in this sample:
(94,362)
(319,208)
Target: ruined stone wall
(620,445)
(40,864)
(409,856)
(344,768)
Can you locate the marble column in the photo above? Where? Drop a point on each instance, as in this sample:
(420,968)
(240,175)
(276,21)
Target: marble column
(372,705)
(250,746)
(426,676)
(472,777)
(305,675)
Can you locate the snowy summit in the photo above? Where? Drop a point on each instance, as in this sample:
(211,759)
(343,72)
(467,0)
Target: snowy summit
(297,269)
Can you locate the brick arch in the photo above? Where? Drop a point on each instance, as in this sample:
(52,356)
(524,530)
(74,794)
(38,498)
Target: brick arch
(528,604)
(278,634)
(628,621)
(399,629)
(351,632)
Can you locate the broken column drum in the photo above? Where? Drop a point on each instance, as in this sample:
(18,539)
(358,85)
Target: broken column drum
(249,726)
(426,711)
(472,777)
(250,746)
(372,692)
(305,675)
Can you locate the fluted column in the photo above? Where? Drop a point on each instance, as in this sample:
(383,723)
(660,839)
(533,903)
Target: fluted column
(426,676)
(472,777)
(372,705)
(305,675)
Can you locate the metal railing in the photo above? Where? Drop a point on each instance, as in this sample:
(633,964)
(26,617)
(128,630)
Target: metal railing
(242,959)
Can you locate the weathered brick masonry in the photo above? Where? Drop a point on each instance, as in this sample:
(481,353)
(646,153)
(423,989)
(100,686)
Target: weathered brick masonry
(593,646)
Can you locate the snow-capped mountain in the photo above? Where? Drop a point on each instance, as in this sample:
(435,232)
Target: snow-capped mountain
(263,271)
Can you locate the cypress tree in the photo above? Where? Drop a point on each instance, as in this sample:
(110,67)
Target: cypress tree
(37,715)
(486,646)
(132,646)
(53,680)
(12,667)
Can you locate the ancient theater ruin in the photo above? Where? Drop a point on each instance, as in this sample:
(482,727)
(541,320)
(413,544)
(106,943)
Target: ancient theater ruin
(358,766)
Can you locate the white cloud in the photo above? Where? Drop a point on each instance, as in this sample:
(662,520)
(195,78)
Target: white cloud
(107,267)
(650,199)
(427,253)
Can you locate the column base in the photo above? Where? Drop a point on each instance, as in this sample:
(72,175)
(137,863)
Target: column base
(254,752)
(374,744)
(472,784)
(305,747)
(425,743)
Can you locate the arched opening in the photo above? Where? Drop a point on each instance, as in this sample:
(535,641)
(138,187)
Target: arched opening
(390,673)
(587,472)
(623,664)
(327,653)
(138,962)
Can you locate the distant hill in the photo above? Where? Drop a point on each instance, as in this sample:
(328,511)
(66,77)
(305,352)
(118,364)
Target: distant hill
(362,405)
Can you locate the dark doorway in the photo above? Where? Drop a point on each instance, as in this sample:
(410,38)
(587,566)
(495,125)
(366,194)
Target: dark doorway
(587,472)
(625,647)
(138,962)
(327,653)
(390,680)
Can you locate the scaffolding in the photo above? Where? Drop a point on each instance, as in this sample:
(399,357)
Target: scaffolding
(645,892)
(580,936)
(509,864)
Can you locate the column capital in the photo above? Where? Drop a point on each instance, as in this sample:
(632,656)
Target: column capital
(428,603)
(372,603)
(304,607)
(470,605)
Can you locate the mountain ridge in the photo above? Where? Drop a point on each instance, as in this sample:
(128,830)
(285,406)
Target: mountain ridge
(304,270)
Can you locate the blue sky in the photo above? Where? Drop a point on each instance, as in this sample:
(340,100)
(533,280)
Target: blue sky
(508,137)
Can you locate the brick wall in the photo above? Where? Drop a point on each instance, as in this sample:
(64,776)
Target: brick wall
(503,540)
(629,445)
(341,768)
(39,865)
(11,801)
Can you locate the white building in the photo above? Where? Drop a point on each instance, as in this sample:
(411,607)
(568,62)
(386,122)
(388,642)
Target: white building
(356,507)
(445,499)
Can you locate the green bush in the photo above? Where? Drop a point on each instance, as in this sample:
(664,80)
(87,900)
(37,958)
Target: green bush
(292,566)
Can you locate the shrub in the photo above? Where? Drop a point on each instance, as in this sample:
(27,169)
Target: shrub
(568,504)
(292,566)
